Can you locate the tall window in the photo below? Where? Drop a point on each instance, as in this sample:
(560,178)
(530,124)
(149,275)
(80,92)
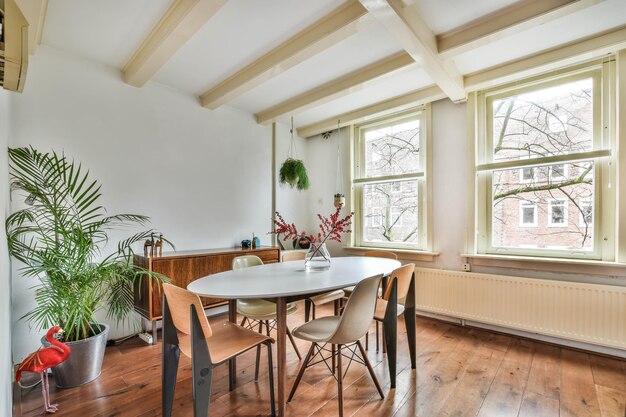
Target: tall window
(389,181)
(543,164)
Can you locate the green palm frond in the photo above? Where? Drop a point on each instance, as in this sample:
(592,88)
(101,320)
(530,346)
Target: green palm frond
(60,236)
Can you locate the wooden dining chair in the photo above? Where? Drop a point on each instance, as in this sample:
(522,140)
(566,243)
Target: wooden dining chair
(258,312)
(186,329)
(343,332)
(315,300)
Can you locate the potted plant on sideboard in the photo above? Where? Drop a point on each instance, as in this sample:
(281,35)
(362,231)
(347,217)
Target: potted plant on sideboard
(60,236)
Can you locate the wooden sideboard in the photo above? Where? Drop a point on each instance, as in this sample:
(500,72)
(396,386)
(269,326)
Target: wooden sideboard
(183,267)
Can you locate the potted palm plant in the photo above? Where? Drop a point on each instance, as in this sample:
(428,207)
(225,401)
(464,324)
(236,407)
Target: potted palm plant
(60,236)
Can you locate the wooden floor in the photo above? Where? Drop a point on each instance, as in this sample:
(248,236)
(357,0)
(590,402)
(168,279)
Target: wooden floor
(460,372)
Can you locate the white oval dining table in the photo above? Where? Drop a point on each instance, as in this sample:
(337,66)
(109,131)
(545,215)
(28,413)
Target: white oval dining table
(287,282)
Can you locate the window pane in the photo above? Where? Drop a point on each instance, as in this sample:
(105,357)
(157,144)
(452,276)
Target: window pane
(391,216)
(392,150)
(547,122)
(547,212)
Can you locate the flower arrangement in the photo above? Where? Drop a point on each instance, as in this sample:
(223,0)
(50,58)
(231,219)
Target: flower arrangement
(331,228)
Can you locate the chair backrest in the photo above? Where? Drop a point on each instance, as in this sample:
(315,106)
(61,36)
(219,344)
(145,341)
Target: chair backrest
(380,254)
(293,256)
(178,301)
(357,315)
(403,277)
(246,261)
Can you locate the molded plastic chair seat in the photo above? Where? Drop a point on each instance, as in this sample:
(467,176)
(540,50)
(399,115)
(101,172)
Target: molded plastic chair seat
(227,341)
(318,330)
(257,309)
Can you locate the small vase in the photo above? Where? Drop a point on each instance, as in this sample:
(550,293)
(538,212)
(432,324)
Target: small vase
(317,258)
(340,201)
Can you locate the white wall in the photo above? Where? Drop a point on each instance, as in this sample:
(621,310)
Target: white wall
(204,177)
(6,374)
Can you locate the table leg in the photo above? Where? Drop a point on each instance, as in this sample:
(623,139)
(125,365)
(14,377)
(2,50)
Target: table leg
(232,364)
(281,355)
(390,327)
(409,320)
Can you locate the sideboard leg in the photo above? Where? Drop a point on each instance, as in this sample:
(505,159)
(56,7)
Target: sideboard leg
(154,332)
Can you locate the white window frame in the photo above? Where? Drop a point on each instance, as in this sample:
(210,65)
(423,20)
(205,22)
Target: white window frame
(423,178)
(526,204)
(565,212)
(602,155)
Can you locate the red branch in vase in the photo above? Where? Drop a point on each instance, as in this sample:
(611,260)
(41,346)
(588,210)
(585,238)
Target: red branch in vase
(330,228)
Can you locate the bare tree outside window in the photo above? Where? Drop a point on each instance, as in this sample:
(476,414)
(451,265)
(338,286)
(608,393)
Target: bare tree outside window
(392,151)
(546,122)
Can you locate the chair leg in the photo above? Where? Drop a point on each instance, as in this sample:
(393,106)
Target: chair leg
(333,354)
(267,328)
(339,381)
(377,337)
(201,367)
(384,344)
(293,343)
(307,310)
(313,311)
(270,366)
(258,354)
(301,371)
(370,369)
(367,340)
(171,355)
(243,321)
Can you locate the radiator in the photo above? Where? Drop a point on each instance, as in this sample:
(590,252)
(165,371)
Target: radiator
(577,311)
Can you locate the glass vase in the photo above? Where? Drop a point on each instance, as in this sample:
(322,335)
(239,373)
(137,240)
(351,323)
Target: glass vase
(317,258)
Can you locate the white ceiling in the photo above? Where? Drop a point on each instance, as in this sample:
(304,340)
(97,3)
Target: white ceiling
(243,30)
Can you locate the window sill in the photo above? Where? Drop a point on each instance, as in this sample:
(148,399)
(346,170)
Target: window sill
(403,254)
(532,263)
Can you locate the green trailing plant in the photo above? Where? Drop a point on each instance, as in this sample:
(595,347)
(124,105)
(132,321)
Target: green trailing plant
(60,236)
(293,172)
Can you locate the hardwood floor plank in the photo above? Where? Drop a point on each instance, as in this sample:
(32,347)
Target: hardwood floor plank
(545,372)
(608,372)
(536,405)
(578,391)
(612,401)
(468,395)
(505,395)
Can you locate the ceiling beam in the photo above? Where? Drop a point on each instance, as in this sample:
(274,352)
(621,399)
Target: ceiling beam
(333,28)
(35,13)
(562,56)
(506,22)
(405,24)
(555,58)
(179,23)
(395,104)
(336,88)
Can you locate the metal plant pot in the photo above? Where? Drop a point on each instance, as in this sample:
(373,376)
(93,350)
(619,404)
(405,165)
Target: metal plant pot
(84,363)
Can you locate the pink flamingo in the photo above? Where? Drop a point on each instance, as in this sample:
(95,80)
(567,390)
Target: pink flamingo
(42,360)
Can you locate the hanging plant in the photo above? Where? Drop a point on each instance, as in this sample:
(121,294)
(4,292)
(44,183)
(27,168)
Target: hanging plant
(293,172)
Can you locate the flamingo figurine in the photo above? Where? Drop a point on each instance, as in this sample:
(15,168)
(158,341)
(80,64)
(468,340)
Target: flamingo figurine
(42,360)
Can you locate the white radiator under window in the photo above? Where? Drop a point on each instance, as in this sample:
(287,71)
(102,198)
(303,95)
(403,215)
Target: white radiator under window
(582,312)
